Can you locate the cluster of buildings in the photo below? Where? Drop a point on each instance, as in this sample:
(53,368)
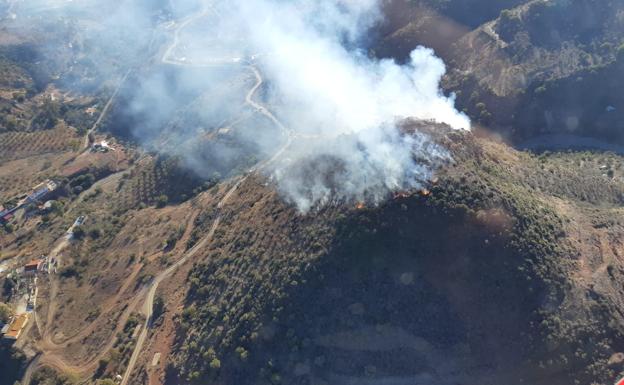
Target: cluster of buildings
(26,295)
(38,194)
(41,191)
(7,214)
(25,291)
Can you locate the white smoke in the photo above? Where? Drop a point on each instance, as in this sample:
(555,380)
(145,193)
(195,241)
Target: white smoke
(352,102)
(340,104)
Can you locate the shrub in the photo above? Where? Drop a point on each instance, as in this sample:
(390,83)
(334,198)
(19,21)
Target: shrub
(159,307)
(162,201)
(5,312)
(215,364)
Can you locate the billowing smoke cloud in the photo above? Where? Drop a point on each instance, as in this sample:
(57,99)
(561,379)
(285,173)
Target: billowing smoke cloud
(349,101)
(334,106)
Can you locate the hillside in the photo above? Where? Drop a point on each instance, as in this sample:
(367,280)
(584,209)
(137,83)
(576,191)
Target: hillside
(174,145)
(501,263)
(476,283)
(523,68)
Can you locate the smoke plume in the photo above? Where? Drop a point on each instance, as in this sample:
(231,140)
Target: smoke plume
(334,91)
(332,108)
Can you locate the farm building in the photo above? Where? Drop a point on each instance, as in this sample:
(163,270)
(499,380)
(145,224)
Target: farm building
(41,191)
(102,146)
(16,327)
(31,268)
(6,215)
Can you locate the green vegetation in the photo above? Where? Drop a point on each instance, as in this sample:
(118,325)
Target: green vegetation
(118,357)
(508,260)
(15,145)
(159,307)
(6,312)
(48,116)
(48,376)
(160,182)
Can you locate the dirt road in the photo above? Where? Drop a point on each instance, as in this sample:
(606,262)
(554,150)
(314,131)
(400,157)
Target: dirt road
(30,370)
(167,57)
(149,301)
(149,292)
(107,106)
(56,255)
(148,306)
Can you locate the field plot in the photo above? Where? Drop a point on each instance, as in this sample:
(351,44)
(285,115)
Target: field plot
(16,145)
(18,176)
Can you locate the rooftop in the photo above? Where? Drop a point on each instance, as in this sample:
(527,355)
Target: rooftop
(16,327)
(33,265)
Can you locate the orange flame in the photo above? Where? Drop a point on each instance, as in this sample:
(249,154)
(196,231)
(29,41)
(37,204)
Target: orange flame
(424,192)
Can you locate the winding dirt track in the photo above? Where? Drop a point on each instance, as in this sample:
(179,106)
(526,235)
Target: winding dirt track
(50,348)
(149,301)
(148,305)
(107,106)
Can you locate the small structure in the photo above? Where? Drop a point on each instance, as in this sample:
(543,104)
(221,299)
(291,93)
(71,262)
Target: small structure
(156,359)
(16,327)
(91,111)
(6,214)
(80,221)
(32,267)
(102,146)
(41,191)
